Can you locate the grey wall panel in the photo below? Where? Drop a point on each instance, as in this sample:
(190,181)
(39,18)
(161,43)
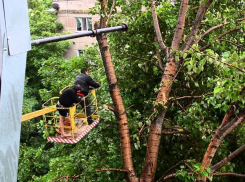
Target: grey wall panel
(12,84)
(17,26)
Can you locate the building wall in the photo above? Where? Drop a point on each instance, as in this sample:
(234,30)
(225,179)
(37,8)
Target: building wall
(69,10)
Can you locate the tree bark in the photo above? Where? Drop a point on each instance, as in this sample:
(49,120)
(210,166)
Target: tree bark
(157,29)
(227,159)
(219,135)
(168,77)
(180,25)
(119,108)
(200,15)
(149,170)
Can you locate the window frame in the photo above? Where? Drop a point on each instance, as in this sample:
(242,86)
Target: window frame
(81,20)
(80,52)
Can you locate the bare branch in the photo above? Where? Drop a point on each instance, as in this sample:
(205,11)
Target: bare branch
(173,175)
(175,132)
(180,25)
(110,169)
(96,171)
(211,29)
(194,8)
(214,28)
(141,130)
(142,59)
(199,17)
(159,60)
(159,57)
(240,46)
(130,106)
(157,29)
(172,168)
(69,176)
(181,106)
(143,44)
(109,16)
(219,37)
(108,107)
(229,174)
(188,97)
(143,127)
(228,159)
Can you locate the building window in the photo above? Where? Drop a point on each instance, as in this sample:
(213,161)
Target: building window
(80,52)
(83,24)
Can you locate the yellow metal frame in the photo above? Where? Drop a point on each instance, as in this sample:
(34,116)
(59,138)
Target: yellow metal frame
(49,109)
(72,112)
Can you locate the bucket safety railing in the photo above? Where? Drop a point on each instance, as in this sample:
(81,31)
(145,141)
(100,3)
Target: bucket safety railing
(77,113)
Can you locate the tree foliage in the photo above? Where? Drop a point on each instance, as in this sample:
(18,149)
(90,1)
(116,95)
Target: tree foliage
(210,79)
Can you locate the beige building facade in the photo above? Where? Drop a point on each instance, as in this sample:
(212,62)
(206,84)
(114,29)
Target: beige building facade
(75,17)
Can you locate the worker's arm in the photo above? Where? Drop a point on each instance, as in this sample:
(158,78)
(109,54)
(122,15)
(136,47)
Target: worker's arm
(92,83)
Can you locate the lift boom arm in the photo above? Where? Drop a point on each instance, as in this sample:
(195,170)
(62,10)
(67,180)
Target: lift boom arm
(38,113)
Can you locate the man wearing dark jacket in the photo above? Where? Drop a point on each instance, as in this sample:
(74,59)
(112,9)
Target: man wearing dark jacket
(67,99)
(86,81)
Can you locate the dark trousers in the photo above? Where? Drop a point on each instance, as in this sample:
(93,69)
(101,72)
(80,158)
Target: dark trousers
(88,110)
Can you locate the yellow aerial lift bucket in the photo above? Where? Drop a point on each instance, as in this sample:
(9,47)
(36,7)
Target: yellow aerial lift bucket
(78,126)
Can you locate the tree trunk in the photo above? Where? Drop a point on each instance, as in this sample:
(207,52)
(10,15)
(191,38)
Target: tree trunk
(119,109)
(149,171)
(168,77)
(156,126)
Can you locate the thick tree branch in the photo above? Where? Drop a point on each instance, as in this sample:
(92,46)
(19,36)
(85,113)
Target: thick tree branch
(219,135)
(153,146)
(157,29)
(120,114)
(227,159)
(214,28)
(180,25)
(229,113)
(219,37)
(199,17)
(210,30)
(109,16)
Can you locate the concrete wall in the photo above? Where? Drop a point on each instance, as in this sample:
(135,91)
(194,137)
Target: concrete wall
(69,10)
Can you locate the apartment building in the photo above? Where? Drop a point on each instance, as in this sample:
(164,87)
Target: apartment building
(75,17)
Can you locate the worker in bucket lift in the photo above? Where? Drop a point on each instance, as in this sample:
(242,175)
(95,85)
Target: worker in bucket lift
(86,82)
(67,99)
